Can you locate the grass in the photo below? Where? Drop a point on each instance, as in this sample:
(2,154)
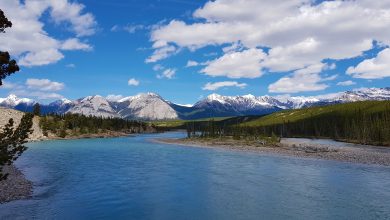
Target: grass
(180,123)
(368,107)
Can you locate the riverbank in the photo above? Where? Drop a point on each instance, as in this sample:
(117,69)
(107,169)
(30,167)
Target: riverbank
(16,186)
(369,155)
(107,134)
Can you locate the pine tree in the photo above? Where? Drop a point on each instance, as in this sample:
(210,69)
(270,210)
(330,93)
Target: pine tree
(12,141)
(7,65)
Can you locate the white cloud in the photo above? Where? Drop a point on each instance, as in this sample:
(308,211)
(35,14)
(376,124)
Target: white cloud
(244,64)
(296,33)
(75,44)
(303,80)
(130,28)
(27,39)
(83,24)
(9,85)
(40,58)
(168,73)
(133,82)
(38,94)
(218,85)
(133,28)
(192,63)
(161,53)
(71,65)
(44,85)
(346,83)
(375,68)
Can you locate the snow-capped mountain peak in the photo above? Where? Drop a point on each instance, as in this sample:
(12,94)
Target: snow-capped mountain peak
(151,106)
(12,101)
(93,105)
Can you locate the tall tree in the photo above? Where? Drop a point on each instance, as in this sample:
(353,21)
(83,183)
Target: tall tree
(8,66)
(12,141)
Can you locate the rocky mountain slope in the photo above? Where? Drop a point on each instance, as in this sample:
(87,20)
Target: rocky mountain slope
(145,106)
(6,114)
(93,105)
(150,106)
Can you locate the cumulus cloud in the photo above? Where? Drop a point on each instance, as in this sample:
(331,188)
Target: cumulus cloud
(244,64)
(44,85)
(75,44)
(346,83)
(375,68)
(133,82)
(83,24)
(27,38)
(161,53)
(303,80)
(168,73)
(218,85)
(295,33)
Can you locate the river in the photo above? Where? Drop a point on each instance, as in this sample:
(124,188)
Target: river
(135,178)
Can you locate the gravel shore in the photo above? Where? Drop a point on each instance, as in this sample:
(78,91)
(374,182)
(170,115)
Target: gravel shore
(369,155)
(16,186)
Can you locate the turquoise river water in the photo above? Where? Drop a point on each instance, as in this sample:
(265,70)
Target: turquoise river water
(135,178)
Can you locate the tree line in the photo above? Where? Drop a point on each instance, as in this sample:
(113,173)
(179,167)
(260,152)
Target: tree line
(351,122)
(63,125)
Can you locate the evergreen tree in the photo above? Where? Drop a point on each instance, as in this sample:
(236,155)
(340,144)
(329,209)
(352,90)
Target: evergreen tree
(12,141)
(7,65)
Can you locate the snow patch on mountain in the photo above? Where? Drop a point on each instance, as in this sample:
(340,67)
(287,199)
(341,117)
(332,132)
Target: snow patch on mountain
(94,106)
(147,106)
(12,101)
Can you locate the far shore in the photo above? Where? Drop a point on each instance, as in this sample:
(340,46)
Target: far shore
(108,134)
(367,155)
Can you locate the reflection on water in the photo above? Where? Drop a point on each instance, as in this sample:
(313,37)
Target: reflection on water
(134,178)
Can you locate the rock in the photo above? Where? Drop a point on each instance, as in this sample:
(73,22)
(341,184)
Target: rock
(15,187)
(6,114)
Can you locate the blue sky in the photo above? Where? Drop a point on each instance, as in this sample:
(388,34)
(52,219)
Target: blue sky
(234,49)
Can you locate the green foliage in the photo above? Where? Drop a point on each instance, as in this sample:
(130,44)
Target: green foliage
(7,65)
(181,124)
(12,141)
(361,122)
(75,124)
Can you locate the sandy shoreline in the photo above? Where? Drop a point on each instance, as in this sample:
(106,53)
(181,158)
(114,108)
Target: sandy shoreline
(344,154)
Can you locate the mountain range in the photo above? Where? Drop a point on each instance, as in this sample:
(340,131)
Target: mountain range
(151,106)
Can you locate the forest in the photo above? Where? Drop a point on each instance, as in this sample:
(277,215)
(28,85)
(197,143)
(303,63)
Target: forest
(365,122)
(74,124)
